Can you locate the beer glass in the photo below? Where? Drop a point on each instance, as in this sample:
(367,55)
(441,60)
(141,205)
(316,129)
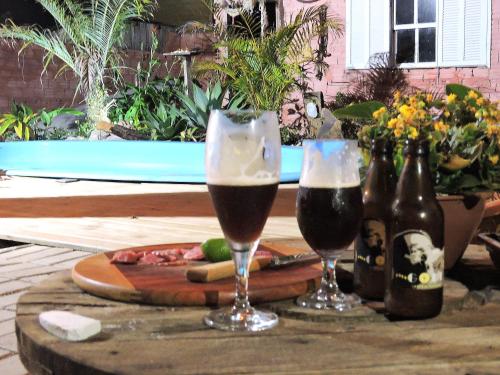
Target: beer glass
(329,213)
(242,161)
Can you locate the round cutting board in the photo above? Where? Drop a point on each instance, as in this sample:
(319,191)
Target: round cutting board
(159,285)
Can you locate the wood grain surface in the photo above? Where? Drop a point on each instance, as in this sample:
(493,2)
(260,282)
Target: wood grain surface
(141,339)
(163,285)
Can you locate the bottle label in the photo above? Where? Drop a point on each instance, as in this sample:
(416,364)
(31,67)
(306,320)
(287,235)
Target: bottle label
(370,247)
(417,262)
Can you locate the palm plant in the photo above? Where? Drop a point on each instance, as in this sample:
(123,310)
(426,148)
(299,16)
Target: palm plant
(266,68)
(87,42)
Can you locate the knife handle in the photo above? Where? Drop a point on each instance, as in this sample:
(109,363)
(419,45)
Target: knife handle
(221,270)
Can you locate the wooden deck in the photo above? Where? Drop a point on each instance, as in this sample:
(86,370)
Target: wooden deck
(96,216)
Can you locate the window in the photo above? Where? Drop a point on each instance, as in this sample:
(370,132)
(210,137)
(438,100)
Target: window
(415,31)
(270,19)
(419,33)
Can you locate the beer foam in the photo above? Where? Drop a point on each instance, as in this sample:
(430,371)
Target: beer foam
(243,154)
(330,164)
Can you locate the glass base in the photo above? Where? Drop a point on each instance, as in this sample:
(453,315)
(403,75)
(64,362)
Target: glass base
(249,321)
(329,301)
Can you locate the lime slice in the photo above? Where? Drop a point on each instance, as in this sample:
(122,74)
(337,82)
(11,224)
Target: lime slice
(216,250)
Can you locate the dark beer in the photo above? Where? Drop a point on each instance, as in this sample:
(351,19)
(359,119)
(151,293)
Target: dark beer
(329,218)
(415,256)
(242,210)
(370,245)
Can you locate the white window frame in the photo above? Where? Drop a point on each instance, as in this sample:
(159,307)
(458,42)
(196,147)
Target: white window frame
(365,12)
(416,26)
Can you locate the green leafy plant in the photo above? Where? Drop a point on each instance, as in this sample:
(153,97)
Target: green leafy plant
(165,122)
(27,124)
(463,130)
(196,110)
(376,85)
(265,69)
(87,42)
(20,120)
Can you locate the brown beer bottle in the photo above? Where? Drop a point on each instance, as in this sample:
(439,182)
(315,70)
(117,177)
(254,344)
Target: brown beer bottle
(370,244)
(415,255)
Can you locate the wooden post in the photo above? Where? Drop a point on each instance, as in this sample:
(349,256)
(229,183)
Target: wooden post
(188,82)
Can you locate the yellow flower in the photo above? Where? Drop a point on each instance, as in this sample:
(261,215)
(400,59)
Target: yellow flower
(450,99)
(446,113)
(397,96)
(472,94)
(429,98)
(492,130)
(413,132)
(493,159)
(480,101)
(440,126)
(378,113)
(392,123)
(398,133)
(407,112)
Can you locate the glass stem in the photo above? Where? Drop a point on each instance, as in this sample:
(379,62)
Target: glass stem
(329,280)
(242,255)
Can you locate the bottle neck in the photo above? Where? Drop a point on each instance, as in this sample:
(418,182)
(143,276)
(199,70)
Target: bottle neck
(415,182)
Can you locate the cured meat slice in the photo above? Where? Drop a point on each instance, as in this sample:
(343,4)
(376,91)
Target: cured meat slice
(263,254)
(150,258)
(168,253)
(126,257)
(194,254)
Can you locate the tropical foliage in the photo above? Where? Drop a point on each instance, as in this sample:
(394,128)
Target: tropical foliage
(87,42)
(265,69)
(377,84)
(162,110)
(27,124)
(463,129)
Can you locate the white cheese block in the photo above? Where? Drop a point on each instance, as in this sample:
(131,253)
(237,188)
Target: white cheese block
(69,326)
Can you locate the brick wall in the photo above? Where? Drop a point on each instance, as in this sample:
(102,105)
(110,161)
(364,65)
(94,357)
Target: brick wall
(22,82)
(338,77)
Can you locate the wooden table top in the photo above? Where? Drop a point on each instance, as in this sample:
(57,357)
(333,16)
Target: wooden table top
(137,339)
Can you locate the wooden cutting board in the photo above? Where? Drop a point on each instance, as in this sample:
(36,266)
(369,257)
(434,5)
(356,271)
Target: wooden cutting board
(159,285)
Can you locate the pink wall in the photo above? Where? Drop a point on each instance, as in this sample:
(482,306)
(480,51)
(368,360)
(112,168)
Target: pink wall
(338,77)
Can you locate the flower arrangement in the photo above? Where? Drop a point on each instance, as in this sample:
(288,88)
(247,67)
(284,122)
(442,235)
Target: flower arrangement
(463,129)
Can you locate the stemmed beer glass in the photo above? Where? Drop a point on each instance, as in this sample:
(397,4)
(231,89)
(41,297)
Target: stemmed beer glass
(242,161)
(329,212)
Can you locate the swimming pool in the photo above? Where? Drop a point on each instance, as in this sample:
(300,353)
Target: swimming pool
(146,161)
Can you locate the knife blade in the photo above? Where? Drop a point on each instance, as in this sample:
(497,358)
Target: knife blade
(221,270)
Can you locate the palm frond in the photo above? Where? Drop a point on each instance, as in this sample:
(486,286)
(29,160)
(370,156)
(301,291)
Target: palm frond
(48,40)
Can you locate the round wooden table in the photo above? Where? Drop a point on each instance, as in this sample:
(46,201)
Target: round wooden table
(139,339)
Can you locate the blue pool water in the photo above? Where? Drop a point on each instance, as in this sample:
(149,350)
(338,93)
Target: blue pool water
(121,160)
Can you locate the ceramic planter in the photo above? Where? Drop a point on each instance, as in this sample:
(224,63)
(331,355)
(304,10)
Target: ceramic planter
(462,216)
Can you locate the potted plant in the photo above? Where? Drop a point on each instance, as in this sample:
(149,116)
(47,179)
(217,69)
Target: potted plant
(464,133)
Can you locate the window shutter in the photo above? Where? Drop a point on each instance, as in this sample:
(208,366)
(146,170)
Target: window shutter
(367,31)
(465,32)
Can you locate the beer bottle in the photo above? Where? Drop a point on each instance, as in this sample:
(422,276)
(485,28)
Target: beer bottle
(370,245)
(415,255)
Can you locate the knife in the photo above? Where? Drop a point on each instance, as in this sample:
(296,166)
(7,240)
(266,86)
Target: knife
(216,271)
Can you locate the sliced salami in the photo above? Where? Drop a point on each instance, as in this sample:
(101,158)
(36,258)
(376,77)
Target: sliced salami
(126,257)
